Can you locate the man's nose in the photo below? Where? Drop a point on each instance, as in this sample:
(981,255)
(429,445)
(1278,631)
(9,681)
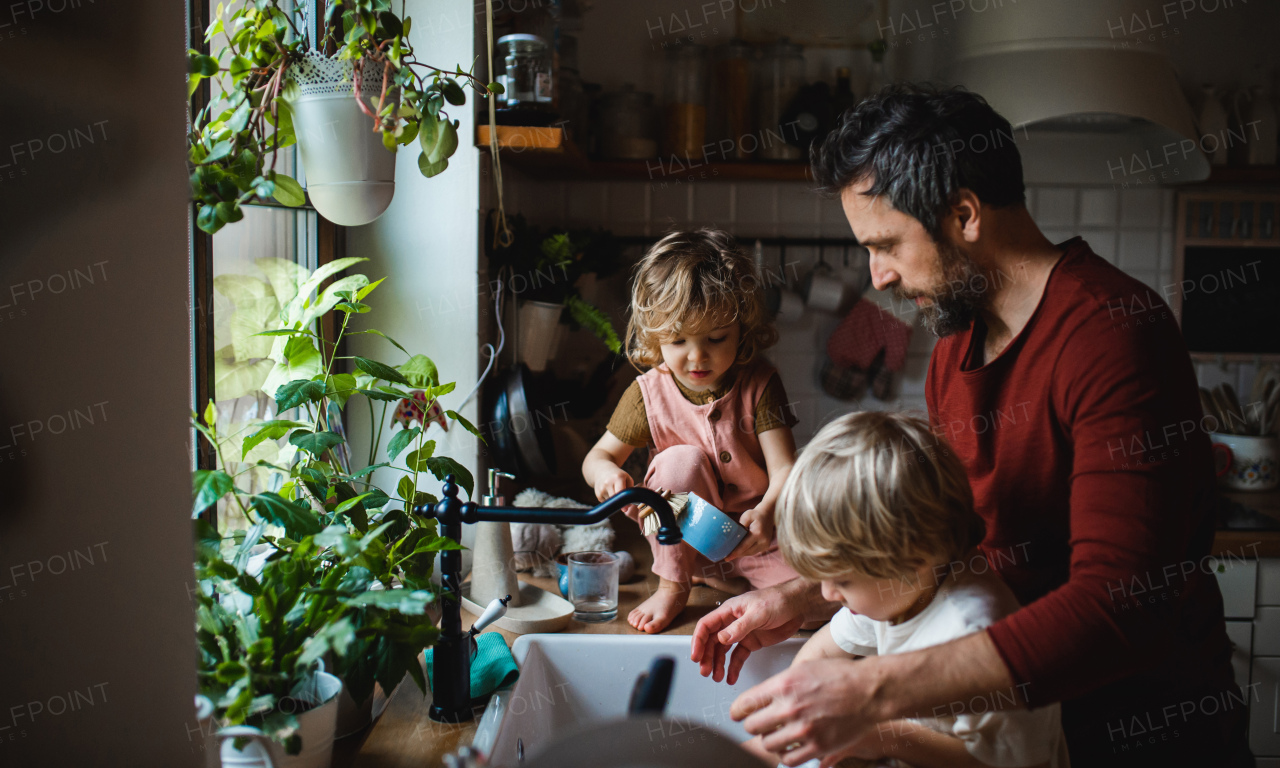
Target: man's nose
(828,593)
(881,275)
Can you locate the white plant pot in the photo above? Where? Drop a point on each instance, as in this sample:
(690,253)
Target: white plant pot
(353,716)
(315,726)
(540,333)
(350,175)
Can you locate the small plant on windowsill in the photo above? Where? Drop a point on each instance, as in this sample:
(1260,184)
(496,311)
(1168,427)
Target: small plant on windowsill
(398,97)
(347,564)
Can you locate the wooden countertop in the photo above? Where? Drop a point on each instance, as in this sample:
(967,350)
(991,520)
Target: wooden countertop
(404,737)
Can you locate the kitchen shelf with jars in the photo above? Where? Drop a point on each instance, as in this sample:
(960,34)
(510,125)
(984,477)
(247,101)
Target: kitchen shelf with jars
(737,111)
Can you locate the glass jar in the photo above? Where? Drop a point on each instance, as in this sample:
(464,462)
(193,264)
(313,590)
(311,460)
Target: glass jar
(526,75)
(731,112)
(781,75)
(684,111)
(624,125)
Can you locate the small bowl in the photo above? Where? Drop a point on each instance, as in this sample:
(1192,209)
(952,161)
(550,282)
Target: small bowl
(562,565)
(710,531)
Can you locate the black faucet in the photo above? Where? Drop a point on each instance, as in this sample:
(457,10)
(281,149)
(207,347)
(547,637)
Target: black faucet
(451,660)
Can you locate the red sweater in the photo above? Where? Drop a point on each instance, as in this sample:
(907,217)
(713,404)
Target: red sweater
(1083,444)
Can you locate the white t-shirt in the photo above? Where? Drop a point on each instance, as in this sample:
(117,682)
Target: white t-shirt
(1012,736)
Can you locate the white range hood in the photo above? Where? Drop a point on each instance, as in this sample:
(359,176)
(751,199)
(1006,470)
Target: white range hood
(1086,85)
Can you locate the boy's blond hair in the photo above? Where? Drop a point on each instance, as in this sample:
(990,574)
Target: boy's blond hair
(875,493)
(694,282)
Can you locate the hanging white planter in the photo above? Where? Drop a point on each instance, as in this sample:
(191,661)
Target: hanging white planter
(315,726)
(350,174)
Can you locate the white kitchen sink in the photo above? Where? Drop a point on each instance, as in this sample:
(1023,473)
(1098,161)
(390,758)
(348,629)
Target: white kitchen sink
(568,681)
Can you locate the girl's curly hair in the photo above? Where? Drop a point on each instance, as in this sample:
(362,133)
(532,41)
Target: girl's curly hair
(693,282)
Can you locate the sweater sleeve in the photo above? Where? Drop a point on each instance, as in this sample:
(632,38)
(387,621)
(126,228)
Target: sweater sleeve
(1124,398)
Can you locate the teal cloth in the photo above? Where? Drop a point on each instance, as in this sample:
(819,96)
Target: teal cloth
(492,669)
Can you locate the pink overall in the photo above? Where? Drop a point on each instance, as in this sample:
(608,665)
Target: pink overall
(713,451)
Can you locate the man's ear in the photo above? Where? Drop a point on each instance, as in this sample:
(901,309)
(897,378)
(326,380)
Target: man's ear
(966,216)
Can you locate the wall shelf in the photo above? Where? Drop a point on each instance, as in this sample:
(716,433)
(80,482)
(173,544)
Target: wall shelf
(1243,174)
(545,154)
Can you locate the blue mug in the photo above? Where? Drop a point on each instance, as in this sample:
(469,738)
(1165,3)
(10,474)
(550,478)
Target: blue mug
(708,530)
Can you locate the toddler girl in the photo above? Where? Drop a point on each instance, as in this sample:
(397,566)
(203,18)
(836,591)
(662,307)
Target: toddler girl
(714,413)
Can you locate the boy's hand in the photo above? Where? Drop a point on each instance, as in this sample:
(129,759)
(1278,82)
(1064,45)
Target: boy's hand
(612,483)
(760,529)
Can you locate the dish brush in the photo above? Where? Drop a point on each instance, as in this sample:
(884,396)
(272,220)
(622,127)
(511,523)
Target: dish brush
(649,522)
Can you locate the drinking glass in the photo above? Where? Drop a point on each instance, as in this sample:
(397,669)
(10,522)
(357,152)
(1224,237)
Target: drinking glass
(593,585)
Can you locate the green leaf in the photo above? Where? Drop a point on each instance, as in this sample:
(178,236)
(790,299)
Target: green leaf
(288,191)
(315,443)
(349,503)
(296,393)
(390,23)
(240,120)
(230,671)
(341,385)
(365,291)
(595,321)
(420,372)
(380,370)
(377,499)
(296,517)
(417,461)
(441,466)
(409,603)
(465,424)
(299,348)
(376,332)
(400,440)
(199,64)
(367,470)
(405,488)
(269,430)
(209,485)
(496,88)
(210,414)
(239,67)
(453,92)
(375,395)
(219,151)
(429,168)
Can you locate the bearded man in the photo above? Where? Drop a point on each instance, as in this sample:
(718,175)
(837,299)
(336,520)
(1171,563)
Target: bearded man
(1065,388)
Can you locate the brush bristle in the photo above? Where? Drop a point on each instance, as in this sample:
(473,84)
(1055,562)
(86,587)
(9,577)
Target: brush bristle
(650,523)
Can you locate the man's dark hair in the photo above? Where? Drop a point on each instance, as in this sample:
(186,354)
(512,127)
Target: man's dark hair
(921,145)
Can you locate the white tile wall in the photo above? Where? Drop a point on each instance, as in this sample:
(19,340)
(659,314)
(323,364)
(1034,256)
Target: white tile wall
(1133,229)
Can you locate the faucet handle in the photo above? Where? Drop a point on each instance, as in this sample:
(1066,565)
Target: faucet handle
(494,498)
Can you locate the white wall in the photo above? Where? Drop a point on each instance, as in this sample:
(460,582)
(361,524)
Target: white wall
(426,244)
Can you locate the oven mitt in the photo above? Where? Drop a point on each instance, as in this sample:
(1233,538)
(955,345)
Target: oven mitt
(866,332)
(492,669)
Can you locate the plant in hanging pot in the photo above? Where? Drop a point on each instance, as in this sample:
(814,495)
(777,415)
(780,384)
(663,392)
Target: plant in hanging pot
(548,271)
(349,96)
(347,564)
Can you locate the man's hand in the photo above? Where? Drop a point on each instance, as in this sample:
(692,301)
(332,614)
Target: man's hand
(755,620)
(760,528)
(817,709)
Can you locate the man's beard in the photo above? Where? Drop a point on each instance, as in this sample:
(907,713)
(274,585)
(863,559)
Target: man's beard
(957,300)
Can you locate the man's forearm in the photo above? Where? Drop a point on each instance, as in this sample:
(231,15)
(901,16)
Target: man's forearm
(945,680)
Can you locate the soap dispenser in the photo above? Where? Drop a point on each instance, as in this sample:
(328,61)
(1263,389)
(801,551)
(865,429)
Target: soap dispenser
(493,577)
(493,573)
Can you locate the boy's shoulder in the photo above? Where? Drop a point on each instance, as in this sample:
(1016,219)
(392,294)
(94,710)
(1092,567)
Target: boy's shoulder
(970,603)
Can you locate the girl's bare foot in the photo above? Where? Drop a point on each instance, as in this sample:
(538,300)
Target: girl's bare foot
(657,613)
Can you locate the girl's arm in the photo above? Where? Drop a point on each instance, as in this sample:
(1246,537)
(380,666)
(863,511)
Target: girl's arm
(602,468)
(779,448)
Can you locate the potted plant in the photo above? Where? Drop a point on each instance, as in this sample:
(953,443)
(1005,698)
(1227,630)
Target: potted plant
(347,564)
(349,100)
(549,270)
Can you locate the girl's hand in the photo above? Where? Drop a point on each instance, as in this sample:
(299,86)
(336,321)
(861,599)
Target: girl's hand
(612,483)
(759,524)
